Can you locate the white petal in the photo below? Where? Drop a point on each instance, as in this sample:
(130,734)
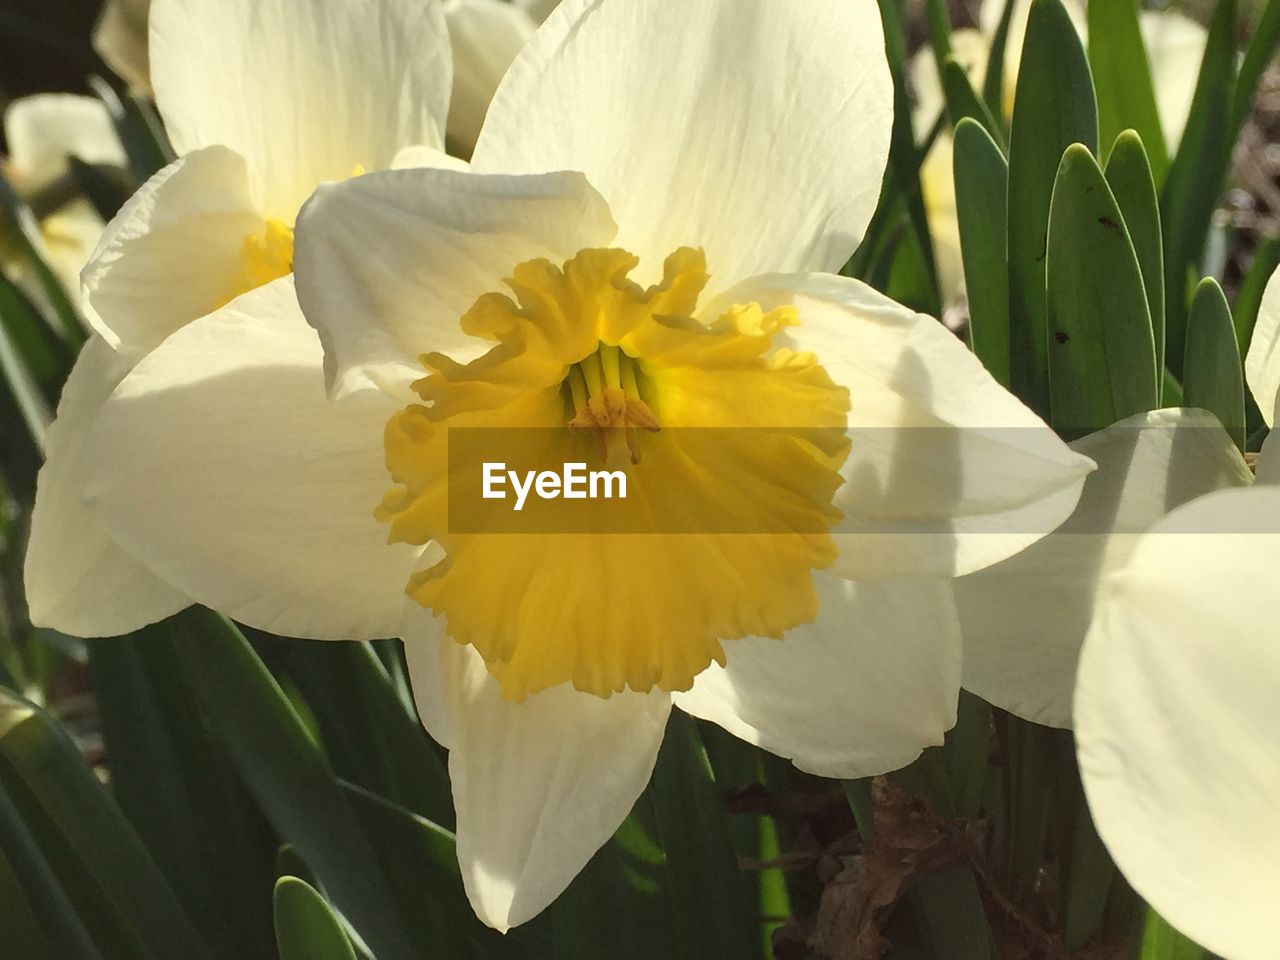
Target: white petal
(222,464)
(1175,46)
(42,131)
(948,471)
(77,579)
(173,252)
(539,786)
(1176,716)
(120,38)
(1262,361)
(307,92)
(1025,619)
(486,36)
(859,692)
(388,263)
(756,130)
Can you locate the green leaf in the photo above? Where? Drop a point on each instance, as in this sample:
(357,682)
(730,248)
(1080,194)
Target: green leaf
(1213,378)
(140,130)
(711,912)
(1053,108)
(289,776)
(1197,176)
(60,934)
(46,356)
(1261,51)
(939,30)
(981,179)
(1161,942)
(903,179)
(617,907)
(421,862)
(175,785)
(1130,178)
(963,102)
(369,736)
(118,891)
(306,928)
(1090,874)
(22,937)
(16,326)
(993,83)
(1122,76)
(19,226)
(1101,353)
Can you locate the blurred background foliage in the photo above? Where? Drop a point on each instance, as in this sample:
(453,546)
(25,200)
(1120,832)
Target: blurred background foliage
(198,791)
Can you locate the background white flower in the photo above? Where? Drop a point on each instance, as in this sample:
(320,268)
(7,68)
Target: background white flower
(261,106)
(1176,707)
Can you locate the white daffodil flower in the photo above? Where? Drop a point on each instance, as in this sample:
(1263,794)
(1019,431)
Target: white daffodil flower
(43,131)
(1024,620)
(1175,45)
(262,105)
(1176,707)
(664,211)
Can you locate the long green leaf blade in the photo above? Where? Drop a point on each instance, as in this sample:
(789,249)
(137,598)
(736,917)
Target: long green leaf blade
(1130,177)
(306,928)
(1054,107)
(1102,352)
(711,913)
(61,934)
(981,181)
(1160,941)
(1196,177)
(1212,376)
(288,776)
(1122,76)
(75,820)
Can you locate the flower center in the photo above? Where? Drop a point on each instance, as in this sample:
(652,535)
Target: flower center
(265,256)
(604,390)
(731,446)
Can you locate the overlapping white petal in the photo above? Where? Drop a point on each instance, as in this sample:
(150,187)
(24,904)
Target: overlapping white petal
(1176,714)
(388,263)
(948,472)
(173,252)
(756,130)
(1025,619)
(220,461)
(77,579)
(306,92)
(539,786)
(859,692)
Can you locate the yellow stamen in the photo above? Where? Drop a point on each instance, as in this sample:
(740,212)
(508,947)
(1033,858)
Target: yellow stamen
(265,256)
(582,349)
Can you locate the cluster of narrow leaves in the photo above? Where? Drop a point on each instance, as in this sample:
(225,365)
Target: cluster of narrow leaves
(253,796)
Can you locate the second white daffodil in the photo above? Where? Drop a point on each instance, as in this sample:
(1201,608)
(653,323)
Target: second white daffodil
(261,105)
(1176,708)
(645,243)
